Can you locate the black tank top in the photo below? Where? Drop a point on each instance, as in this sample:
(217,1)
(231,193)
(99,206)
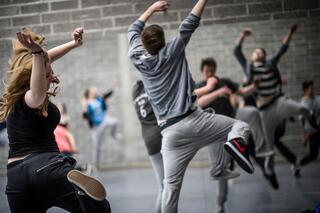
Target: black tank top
(29,132)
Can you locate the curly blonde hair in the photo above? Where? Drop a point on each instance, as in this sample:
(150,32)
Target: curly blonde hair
(20,75)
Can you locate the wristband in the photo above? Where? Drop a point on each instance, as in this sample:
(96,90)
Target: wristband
(37,52)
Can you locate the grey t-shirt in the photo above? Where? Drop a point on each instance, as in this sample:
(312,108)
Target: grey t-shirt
(314,106)
(166,76)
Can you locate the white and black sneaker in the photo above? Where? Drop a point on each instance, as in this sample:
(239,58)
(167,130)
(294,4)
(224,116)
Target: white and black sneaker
(295,168)
(238,150)
(89,185)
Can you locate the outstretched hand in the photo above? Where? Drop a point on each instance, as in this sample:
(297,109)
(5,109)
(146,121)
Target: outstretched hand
(294,27)
(77,35)
(160,6)
(247,31)
(27,41)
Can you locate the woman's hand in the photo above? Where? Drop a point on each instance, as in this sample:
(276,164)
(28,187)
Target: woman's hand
(27,41)
(77,35)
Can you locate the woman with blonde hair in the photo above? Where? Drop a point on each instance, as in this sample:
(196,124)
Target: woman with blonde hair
(38,176)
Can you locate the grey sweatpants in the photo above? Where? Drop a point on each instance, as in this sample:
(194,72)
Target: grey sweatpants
(157,165)
(97,133)
(282,109)
(182,140)
(217,155)
(252,116)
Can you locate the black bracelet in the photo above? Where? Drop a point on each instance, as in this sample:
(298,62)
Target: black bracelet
(38,52)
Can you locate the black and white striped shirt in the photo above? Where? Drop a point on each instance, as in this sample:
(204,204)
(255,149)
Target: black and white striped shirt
(267,72)
(270,84)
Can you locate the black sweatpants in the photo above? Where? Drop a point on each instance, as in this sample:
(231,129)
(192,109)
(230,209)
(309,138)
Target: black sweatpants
(40,182)
(314,144)
(283,149)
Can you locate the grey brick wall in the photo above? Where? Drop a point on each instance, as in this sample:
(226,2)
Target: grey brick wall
(103,59)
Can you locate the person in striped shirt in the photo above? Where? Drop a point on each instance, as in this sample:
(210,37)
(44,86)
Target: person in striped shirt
(274,107)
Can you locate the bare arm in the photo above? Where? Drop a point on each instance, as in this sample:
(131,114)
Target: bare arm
(59,51)
(199,8)
(72,141)
(205,100)
(35,96)
(304,135)
(84,105)
(210,85)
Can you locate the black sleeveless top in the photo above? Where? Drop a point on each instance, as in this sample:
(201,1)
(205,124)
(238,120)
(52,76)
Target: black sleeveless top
(29,132)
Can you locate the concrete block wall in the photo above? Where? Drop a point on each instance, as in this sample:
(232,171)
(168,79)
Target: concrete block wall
(103,57)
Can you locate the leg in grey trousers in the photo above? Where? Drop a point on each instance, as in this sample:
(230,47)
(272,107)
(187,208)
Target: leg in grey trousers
(282,109)
(95,139)
(97,134)
(157,165)
(182,140)
(222,194)
(219,160)
(252,116)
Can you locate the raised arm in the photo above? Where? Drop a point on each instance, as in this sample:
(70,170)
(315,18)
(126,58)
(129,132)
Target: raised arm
(285,43)
(156,7)
(136,48)
(288,37)
(238,49)
(107,94)
(198,9)
(59,51)
(35,96)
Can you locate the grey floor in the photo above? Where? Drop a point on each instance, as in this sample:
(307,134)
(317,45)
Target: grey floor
(134,191)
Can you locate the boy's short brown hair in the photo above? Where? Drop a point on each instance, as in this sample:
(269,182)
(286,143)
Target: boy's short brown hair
(208,62)
(153,39)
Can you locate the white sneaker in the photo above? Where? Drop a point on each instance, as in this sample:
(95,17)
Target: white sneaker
(118,137)
(220,209)
(227,174)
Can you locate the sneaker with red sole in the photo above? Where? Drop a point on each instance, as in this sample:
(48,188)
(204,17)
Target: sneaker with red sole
(238,150)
